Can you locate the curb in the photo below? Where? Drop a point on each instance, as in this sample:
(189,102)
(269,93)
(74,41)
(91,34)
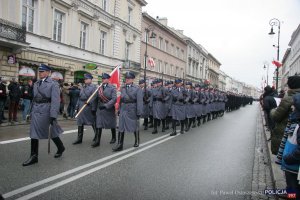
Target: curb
(7,124)
(277,174)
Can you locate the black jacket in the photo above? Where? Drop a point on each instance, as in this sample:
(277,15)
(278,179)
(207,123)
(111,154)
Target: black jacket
(27,92)
(3,94)
(269,102)
(14,91)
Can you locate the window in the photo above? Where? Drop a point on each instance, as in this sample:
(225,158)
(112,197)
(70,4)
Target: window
(177,52)
(27,14)
(127,50)
(171,70)
(172,49)
(182,54)
(166,46)
(129,15)
(146,37)
(160,43)
(58,26)
(154,42)
(102,42)
(83,35)
(159,66)
(104,5)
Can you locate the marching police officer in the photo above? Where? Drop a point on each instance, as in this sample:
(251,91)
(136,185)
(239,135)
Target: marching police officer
(88,115)
(106,115)
(178,107)
(168,102)
(131,108)
(146,101)
(157,105)
(190,111)
(45,109)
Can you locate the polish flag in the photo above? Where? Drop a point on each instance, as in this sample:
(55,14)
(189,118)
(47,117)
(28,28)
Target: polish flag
(115,80)
(151,62)
(276,63)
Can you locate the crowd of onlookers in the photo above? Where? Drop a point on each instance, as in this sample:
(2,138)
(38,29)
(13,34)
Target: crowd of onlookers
(282,116)
(16,97)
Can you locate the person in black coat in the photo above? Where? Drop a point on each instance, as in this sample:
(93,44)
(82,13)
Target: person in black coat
(27,95)
(74,95)
(14,97)
(3,97)
(268,104)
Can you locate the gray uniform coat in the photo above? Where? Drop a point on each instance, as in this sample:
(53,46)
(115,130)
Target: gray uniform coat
(146,102)
(86,117)
(178,107)
(106,96)
(168,102)
(207,102)
(41,112)
(157,104)
(131,107)
(190,111)
(196,105)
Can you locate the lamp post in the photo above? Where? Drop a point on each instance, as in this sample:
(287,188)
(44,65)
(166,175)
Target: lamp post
(267,67)
(153,35)
(275,22)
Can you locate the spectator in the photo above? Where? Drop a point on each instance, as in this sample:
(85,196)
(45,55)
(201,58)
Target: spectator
(27,95)
(74,95)
(14,97)
(66,99)
(291,154)
(280,116)
(281,94)
(3,97)
(268,104)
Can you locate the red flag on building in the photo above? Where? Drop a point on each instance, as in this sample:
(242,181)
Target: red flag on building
(276,63)
(115,80)
(151,62)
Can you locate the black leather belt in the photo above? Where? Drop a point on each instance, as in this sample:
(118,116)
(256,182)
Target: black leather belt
(39,101)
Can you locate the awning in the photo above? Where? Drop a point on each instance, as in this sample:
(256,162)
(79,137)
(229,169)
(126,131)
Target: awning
(26,71)
(57,75)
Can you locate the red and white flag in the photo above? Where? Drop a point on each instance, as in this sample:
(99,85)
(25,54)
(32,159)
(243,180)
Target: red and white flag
(151,62)
(115,80)
(276,63)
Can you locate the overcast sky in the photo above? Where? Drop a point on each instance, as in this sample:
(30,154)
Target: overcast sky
(234,31)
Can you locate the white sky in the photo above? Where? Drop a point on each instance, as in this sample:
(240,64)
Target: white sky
(234,31)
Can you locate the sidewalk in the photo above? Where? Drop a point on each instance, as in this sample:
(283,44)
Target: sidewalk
(276,173)
(21,121)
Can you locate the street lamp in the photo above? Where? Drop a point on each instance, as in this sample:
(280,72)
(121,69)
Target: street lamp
(267,72)
(153,35)
(275,22)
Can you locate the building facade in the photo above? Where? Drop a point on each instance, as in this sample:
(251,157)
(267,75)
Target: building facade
(167,49)
(72,36)
(213,70)
(285,68)
(294,58)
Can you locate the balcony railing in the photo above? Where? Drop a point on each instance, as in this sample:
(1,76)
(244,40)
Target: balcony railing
(12,31)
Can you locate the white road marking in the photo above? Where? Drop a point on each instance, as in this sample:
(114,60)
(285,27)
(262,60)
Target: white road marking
(75,177)
(28,138)
(52,178)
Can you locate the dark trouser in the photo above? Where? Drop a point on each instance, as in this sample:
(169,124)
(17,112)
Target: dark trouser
(12,110)
(2,104)
(292,184)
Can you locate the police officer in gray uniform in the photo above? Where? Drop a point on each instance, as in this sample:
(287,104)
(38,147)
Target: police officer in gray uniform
(131,109)
(146,101)
(88,115)
(157,105)
(178,107)
(106,114)
(189,101)
(45,109)
(168,102)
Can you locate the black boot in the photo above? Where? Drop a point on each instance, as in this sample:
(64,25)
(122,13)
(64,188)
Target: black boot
(119,146)
(136,139)
(80,135)
(155,126)
(204,119)
(1,114)
(113,136)
(199,121)
(194,122)
(95,131)
(151,122)
(34,153)
(163,125)
(146,123)
(167,123)
(96,143)
(187,124)
(174,128)
(182,127)
(158,122)
(60,147)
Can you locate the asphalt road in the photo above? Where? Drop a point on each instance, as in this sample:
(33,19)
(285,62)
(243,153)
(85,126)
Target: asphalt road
(213,161)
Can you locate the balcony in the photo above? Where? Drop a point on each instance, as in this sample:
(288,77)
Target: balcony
(12,35)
